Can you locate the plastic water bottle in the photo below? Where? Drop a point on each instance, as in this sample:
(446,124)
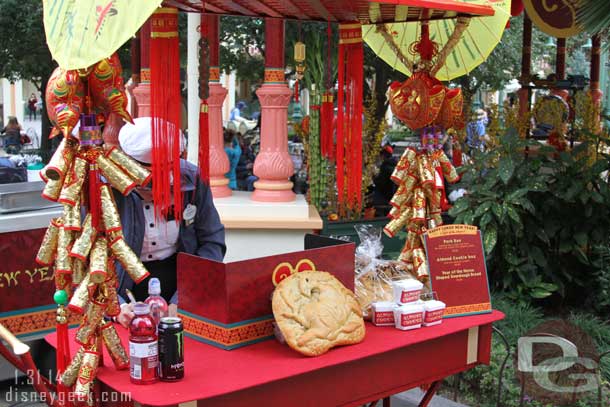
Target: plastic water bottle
(143,346)
(158,305)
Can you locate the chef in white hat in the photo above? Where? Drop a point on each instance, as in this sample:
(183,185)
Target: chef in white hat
(156,241)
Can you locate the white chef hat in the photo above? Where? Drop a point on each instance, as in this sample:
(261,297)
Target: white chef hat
(136,139)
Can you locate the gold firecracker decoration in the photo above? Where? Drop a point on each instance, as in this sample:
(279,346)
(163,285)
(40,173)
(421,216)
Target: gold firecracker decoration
(83,250)
(418,202)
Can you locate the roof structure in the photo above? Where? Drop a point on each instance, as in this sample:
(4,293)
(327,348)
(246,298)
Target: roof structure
(363,11)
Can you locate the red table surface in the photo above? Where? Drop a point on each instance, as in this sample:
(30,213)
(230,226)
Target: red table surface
(215,374)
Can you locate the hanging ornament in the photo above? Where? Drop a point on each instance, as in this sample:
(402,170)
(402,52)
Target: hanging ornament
(166,116)
(81,251)
(65,99)
(299,58)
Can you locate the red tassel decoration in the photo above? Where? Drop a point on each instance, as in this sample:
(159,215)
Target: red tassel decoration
(349,118)
(165,111)
(94,195)
(204,143)
(340,126)
(296,91)
(62,353)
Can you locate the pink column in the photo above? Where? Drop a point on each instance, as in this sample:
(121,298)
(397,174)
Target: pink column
(141,91)
(273,165)
(219,162)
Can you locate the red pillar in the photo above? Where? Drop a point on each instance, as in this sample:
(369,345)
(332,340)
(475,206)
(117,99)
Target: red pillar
(273,165)
(596,93)
(526,63)
(142,91)
(219,163)
(560,68)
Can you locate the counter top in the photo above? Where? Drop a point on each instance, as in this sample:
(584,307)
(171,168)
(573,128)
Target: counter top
(18,221)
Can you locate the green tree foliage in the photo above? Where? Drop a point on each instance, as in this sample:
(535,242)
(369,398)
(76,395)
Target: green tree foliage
(23,51)
(242,47)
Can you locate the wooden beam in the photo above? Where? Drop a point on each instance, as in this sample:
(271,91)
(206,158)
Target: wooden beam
(265,8)
(295,10)
(321,10)
(184,5)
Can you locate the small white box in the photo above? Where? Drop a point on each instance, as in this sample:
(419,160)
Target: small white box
(383,313)
(433,312)
(409,316)
(406,291)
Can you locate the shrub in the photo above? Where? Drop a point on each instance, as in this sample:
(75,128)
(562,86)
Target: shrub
(541,215)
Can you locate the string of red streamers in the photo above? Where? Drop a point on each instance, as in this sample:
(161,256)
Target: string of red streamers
(204,142)
(165,112)
(349,117)
(327,113)
(62,356)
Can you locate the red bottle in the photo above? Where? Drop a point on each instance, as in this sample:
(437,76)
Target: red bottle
(143,347)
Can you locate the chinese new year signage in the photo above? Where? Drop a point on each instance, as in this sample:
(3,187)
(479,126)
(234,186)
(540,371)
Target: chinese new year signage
(457,269)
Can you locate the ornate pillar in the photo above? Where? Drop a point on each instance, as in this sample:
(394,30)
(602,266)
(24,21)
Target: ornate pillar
(596,93)
(560,68)
(526,63)
(219,163)
(273,165)
(142,91)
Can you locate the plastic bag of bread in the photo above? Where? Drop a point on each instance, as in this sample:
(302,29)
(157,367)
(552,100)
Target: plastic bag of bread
(373,275)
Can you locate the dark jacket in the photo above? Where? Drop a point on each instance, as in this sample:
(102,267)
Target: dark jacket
(205,237)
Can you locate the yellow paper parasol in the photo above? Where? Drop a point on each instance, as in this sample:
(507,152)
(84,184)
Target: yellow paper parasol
(468,46)
(80,33)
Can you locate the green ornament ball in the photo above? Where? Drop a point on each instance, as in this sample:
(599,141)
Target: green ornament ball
(60,297)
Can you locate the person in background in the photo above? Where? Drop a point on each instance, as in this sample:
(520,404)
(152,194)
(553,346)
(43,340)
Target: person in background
(233,151)
(32,106)
(12,136)
(236,112)
(157,241)
(476,132)
(384,186)
(245,165)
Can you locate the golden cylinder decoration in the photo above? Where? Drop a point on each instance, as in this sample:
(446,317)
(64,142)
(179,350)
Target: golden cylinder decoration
(115,347)
(87,373)
(79,300)
(396,224)
(71,216)
(114,306)
(117,178)
(69,376)
(48,247)
(78,271)
(110,213)
(63,261)
(426,172)
(130,262)
(98,261)
(52,189)
(73,183)
(85,335)
(83,243)
(61,160)
(405,164)
(449,171)
(420,263)
(136,171)
(419,205)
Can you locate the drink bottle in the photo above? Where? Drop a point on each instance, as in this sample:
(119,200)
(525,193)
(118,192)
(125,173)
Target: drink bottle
(143,346)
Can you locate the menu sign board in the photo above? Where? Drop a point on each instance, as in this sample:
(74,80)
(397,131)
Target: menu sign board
(457,269)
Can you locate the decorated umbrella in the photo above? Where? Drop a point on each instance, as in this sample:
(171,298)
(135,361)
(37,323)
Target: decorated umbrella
(79,34)
(461,44)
